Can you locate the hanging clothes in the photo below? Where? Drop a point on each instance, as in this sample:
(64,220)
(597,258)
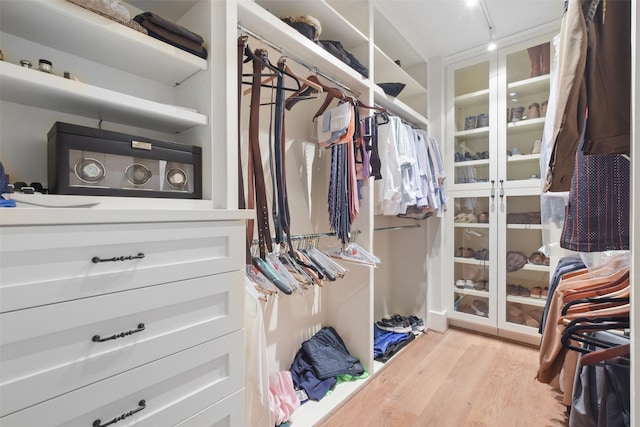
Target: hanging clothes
(595,75)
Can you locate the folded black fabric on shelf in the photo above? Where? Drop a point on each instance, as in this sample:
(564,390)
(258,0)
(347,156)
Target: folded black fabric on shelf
(169,26)
(336,49)
(176,39)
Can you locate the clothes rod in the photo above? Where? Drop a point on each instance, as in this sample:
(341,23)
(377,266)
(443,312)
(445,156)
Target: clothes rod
(397,227)
(310,67)
(405,121)
(310,236)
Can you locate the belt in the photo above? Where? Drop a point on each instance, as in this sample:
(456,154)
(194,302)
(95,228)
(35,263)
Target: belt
(255,161)
(242,204)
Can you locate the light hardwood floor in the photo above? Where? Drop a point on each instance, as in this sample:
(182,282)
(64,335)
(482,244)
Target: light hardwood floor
(455,379)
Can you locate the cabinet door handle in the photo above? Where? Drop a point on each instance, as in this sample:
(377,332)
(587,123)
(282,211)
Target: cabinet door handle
(141,405)
(97,259)
(493,190)
(96,338)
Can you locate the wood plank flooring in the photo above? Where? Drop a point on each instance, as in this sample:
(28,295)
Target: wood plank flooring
(455,379)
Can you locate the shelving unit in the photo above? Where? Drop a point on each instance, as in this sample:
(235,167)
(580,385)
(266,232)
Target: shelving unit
(499,185)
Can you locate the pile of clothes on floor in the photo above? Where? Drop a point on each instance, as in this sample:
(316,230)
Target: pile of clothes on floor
(392,333)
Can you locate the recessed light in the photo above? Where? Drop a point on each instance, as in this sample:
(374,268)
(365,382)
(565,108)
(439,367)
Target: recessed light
(512,94)
(471,3)
(491,46)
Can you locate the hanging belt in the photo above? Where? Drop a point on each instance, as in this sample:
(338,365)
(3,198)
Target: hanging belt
(242,204)
(262,213)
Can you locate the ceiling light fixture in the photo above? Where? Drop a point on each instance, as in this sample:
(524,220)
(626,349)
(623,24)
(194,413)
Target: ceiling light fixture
(471,3)
(487,19)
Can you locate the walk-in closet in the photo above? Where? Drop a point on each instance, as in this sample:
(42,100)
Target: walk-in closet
(257,213)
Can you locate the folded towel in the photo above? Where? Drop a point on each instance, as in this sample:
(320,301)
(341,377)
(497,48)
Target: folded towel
(150,17)
(106,14)
(110,8)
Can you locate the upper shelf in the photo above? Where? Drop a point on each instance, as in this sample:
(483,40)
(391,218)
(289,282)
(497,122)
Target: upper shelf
(532,86)
(254,17)
(57,24)
(478,133)
(387,71)
(525,125)
(334,26)
(31,87)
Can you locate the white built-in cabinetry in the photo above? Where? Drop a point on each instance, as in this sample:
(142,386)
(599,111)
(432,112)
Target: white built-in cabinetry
(491,181)
(119,308)
(351,305)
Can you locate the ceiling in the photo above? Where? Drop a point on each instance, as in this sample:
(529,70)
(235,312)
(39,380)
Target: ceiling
(439,28)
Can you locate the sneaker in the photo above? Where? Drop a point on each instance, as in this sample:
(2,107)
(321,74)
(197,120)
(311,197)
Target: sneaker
(417,324)
(396,324)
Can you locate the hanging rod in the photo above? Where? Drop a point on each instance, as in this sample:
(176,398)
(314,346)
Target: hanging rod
(405,121)
(310,67)
(397,227)
(310,236)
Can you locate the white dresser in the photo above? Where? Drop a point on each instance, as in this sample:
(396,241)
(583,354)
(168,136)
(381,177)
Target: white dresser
(132,317)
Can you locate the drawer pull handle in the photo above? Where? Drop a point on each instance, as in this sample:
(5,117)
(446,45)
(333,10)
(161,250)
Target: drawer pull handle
(142,404)
(97,259)
(96,338)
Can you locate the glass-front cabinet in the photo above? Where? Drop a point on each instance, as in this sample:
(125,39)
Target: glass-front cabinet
(473,251)
(498,270)
(470,123)
(523,89)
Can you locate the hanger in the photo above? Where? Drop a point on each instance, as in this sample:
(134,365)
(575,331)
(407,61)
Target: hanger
(587,324)
(261,56)
(282,65)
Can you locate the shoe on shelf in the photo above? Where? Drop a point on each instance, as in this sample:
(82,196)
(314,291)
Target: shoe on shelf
(516,152)
(536,292)
(512,289)
(537,146)
(469,253)
(543,108)
(481,285)
(545,292)
(460,284)
(537,258)
(396,324)
(523,291)
(483,217)
(482,255)
(417,324)
(469,284)
(481,308)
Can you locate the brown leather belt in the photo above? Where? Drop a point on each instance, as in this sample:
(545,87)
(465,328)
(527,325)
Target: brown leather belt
(255,161)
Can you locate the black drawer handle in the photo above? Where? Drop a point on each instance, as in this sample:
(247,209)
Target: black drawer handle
(97,259)
(142,404)
(96,338)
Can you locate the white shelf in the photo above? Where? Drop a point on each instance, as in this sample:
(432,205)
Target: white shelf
(395,106)
(532,86)
(523,158)
(535,267)
(461,260)
(474,99)
(334,25)
(527,125)
(538,302)
(58,24)
(471,225)
(473,292)
(387,71)
(312,412)
(481,162)
(479,133)
(37,89)
(266,25)
(524,226)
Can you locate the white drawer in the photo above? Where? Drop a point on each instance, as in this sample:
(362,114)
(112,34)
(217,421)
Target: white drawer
(46,264)
(173,388)
(48,350)
(226,413)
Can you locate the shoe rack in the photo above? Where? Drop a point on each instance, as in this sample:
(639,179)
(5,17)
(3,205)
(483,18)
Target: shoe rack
(496,106)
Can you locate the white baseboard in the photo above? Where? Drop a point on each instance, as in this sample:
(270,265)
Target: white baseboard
(437,321)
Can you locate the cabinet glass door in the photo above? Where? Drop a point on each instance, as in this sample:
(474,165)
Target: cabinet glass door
(527,72)
(526,268)
(472,257)
(471,117)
